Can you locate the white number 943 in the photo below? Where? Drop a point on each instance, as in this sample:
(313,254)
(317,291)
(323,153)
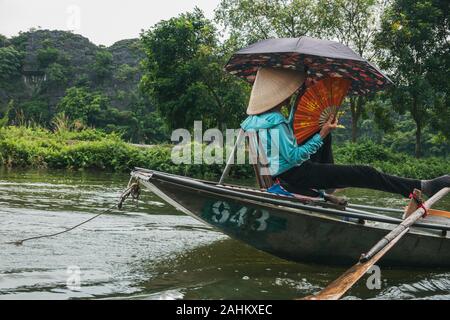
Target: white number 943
(222,214)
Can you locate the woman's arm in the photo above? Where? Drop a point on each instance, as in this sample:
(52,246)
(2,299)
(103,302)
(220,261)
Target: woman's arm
(288,147)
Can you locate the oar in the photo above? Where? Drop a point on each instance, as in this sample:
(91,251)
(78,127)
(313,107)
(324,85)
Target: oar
(439,213)
(431,212)
(341,285)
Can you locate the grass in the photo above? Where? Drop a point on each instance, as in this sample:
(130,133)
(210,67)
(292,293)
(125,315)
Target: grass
(22,147)
(93,149)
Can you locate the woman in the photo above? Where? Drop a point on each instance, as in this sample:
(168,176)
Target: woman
(292,163)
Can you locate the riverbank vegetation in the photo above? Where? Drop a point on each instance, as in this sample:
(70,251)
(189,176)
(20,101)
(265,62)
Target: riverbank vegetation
(22,147)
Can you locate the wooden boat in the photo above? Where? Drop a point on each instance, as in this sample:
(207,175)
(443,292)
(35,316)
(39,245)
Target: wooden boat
(302,230)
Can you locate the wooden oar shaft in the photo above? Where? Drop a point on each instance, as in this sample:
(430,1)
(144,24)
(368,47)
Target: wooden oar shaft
(409,221)
(336,289)
(340,286)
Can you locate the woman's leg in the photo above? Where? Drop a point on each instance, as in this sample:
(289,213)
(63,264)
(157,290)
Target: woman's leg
(322,176)
(325,153)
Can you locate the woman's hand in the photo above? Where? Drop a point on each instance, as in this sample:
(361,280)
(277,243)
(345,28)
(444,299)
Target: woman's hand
(329,126)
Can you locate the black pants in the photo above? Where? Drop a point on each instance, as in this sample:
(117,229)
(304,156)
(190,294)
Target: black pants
(320,173)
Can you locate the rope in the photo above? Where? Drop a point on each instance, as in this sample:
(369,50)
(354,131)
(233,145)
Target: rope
(420,204)
(132,190)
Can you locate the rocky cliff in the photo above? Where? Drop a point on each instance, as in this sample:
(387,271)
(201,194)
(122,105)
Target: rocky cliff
(53,61)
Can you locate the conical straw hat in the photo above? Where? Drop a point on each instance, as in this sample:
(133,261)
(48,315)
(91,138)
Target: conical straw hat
(272,86)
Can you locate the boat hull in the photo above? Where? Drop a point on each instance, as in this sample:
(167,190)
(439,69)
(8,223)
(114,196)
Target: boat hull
(295,234)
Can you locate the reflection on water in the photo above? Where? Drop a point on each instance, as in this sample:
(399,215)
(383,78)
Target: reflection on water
(151,251)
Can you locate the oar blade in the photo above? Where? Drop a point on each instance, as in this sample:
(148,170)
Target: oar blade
(439,213)
(336,289)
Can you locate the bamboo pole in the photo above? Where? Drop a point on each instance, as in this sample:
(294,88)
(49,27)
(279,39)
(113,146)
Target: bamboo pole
(230,160)
(409,221)
(341,285)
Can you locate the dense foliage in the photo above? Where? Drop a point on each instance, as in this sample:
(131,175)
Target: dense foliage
(414,37)
(10,63)
(93,149)
(184,72)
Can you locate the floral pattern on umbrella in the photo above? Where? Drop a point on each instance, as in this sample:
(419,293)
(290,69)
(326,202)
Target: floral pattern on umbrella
(365,77)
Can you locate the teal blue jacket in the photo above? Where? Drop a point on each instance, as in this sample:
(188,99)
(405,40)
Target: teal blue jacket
(277,138)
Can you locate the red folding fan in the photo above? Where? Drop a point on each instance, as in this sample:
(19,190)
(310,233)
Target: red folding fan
(317,104)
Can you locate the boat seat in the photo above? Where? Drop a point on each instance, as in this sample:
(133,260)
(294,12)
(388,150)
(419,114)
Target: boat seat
(259,161)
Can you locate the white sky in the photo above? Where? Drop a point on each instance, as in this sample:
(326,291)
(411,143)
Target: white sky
(102,21)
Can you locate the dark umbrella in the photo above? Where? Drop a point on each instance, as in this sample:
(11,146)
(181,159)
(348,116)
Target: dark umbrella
(321,58)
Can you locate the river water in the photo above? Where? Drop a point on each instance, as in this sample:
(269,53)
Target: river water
(150,251)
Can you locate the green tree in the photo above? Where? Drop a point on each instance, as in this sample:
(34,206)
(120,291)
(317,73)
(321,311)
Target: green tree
(81,105)
(125,72)
(102,66)
(10,63)
(4,42)
(56,76)
(354,23)
(29,112)
(151,126)
(441,110)
(36,112)
(47,56)
(250,20)
(183,73)
(414,36)
(4,121)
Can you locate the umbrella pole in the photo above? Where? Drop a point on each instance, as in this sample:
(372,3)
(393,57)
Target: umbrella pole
(230,160)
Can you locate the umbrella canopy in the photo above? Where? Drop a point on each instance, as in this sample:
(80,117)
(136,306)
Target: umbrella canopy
(320,58)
